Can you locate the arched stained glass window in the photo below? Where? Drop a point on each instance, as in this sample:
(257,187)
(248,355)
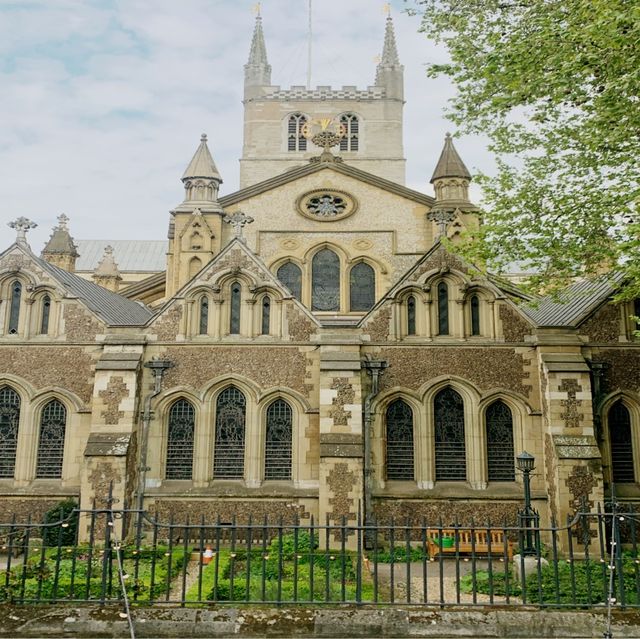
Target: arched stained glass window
(362,287)
(46,312)
(203,329)
(9,420)
(443,309)
(228,460)
(53,424)
(449,435)
(236,305)
(291,276)
(399,421)
(351,132)
(278,444)
(14,311)
(475,315)
(622,471)
(500,453)
(325,281)
(266,315)
(295,139)
(180,436)
(411,315)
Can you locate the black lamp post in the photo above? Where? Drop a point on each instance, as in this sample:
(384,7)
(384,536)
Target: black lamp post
(526,463)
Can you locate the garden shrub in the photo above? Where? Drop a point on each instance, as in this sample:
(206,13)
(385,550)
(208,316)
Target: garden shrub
(67,535)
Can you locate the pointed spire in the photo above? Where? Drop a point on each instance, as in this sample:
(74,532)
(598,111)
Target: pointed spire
(450,164)
(390,50)
(61,250)
(202,164)
(389,72)
(107,273)
(257,71)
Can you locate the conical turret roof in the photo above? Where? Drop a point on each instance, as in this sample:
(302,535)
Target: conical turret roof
(450,164)
(202,164)
(61,242)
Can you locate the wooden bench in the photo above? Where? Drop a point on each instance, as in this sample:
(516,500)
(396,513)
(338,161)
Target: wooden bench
(466,540)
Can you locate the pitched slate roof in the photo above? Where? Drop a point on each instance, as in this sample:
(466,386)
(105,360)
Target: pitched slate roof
(110,307)
(573,304)
(130,255)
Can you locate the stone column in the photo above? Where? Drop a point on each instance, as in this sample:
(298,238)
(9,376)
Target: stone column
(341,445)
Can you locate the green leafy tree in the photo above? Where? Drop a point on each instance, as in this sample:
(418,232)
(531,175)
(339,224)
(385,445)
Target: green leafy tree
(555,86)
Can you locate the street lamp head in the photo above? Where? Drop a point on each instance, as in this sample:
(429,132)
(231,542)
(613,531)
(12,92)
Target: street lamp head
(525,462)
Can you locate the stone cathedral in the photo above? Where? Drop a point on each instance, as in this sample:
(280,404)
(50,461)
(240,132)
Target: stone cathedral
(308,345)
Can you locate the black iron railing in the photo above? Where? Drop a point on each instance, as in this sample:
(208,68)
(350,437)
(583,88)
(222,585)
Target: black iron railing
(591,561)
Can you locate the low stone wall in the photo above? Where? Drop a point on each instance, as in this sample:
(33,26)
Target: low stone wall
(171,622)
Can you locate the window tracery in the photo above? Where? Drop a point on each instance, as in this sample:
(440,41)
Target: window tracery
(399,441)
(180,438)
(291,276)
(325,281)
(351,127)
(9,421)
(295,139)
(500,452)
(278,441)
(362,287)
(228,459)
(449,436)
(53,423)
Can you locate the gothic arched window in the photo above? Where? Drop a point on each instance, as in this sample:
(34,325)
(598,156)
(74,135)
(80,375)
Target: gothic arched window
(622,471)
(203,329)
(180,436)
(266,315)
(9,420)
(46,312)
(236,303)
(291,276)
(14,311)
(325,281)
(443,309)
(295,139)
(411,315)
(362,287)
(278,441)
(228,459)
(449,435)
(399,453)
(500,454)
(351,132)
(475,315)
(53,424)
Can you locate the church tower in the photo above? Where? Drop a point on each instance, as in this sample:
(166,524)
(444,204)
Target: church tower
(275,118)
(195,227)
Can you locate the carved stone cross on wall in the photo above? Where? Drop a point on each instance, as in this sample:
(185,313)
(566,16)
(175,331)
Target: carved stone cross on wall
(238,220)
(572,415)
(21,226)
(442,217)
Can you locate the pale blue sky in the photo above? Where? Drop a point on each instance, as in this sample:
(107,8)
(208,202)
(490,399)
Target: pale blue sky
(103,101)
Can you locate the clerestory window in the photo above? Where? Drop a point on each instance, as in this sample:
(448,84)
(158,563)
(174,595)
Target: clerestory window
(291,276)
(46,312)
(14,311)
(325,281)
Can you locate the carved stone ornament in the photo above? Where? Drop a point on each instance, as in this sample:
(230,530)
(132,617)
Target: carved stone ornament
(326,205)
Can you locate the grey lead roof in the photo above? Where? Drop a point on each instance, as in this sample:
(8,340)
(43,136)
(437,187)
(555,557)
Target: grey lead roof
(112,308)
(572,304)
(130,255)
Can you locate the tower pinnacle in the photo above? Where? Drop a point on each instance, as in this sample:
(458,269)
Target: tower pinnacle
(451,178)
(60,249)
(390,73)
(257,71)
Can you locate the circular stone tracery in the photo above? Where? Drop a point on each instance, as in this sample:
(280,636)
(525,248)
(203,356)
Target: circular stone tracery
(326,206)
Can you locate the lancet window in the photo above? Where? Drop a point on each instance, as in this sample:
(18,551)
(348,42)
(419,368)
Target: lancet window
(180,437)
(449,436)
(411,315)
(9,420)
(266,315)
(351,127)
(475,315)
(14,310)
(622,470)
(203,328)
(325,281)
(500,453)
(295,138)
(278,441)
(53,424)
(399,444)
(228,459)
(443,309)
(236,305)
(291,276)
(46,312)
(362,284)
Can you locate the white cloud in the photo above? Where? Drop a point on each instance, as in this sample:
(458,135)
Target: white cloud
(103,101)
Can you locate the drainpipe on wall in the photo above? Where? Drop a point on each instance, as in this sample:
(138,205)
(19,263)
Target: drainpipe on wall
(158,368)
(374,367)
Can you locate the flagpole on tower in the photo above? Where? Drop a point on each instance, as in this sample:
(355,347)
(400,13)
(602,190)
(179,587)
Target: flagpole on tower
(310,47)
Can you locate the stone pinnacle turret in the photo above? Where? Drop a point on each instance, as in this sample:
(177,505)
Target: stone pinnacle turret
(60,250)
(390,73)
(107,273)
(201,179)
(257,71)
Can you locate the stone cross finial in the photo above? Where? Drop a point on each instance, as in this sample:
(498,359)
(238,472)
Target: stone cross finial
(238,220)
(21,226)
(62,222)
(442,217)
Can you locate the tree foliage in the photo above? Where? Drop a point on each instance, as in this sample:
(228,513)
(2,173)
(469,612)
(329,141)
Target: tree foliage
(555,85)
